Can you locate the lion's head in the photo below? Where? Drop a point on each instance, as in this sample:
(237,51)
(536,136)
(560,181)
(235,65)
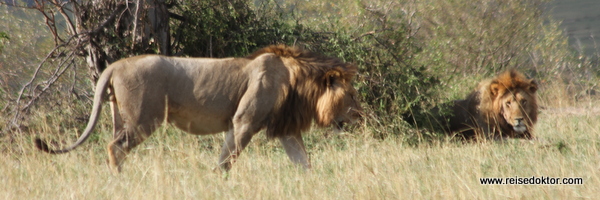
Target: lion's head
(338,105)
(509,101)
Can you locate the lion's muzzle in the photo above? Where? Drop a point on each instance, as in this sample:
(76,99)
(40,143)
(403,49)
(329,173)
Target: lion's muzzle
(351,116)
(519,125)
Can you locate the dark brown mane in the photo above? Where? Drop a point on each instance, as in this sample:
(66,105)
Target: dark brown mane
(307,85)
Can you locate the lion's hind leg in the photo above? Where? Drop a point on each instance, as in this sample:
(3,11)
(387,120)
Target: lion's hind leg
(131,129)
(116,153)
(124,141)
(117,119)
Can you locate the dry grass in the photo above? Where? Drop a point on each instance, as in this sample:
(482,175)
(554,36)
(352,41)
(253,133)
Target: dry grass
(173,165)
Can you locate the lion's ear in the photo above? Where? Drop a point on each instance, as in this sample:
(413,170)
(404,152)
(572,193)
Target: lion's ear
(494,89)
(533,86)
(332,76)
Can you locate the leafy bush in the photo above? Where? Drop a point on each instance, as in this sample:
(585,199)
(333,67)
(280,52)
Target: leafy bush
(3,38)
(380,40)
(228,28)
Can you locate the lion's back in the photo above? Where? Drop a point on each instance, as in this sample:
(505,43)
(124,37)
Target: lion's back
(463,118)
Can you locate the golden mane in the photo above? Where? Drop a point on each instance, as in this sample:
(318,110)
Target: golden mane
(308,95)
(511,81)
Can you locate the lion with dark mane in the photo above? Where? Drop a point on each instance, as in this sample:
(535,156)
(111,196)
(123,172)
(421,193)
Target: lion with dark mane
(278,88)
(503,107)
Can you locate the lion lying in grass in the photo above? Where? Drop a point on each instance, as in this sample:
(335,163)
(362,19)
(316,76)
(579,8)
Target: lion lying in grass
(503,107)
(278,88)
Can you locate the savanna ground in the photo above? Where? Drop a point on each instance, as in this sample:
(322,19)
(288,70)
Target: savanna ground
(411,55)
(175,165)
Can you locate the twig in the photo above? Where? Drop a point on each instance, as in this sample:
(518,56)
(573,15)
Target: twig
(28,84)
(59,72)
(120,9)
(363,35)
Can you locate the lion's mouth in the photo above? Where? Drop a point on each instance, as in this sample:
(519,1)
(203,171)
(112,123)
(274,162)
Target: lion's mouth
(520,128)
(339,127)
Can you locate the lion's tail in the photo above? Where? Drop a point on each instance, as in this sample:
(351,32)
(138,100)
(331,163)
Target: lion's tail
(99,96)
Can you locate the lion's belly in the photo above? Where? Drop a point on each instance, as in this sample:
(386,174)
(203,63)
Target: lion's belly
(199,120)
(199,125)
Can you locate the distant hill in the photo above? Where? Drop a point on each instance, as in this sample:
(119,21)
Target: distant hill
(581,21)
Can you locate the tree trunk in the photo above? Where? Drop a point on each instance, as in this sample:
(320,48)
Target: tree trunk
(159,19)
(145,23)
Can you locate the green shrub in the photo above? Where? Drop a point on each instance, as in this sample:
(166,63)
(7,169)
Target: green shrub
(3,38)
(228,28)
(381,42)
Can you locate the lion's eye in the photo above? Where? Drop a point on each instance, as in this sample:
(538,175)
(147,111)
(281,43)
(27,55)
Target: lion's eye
(523,102)
(508,103)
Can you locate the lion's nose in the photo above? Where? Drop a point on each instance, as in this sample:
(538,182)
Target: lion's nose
(519,120)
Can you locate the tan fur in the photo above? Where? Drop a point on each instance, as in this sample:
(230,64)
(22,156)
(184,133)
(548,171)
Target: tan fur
(505,106)
(281,89)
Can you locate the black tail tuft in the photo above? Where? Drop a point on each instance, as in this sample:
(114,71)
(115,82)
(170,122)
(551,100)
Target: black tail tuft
(41,145)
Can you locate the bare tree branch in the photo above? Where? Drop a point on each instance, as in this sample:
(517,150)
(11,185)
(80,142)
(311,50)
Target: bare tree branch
(15,120)
(93,30)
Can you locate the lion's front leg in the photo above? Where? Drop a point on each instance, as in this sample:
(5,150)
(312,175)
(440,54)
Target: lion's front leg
(230,151)
(294,148)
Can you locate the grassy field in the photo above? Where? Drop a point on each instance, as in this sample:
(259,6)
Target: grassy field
(174,165)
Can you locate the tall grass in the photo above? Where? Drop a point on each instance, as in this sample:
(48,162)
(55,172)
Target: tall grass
(174,165)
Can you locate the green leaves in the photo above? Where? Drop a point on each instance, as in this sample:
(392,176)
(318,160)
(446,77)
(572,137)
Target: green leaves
(228,28)
(3,38)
